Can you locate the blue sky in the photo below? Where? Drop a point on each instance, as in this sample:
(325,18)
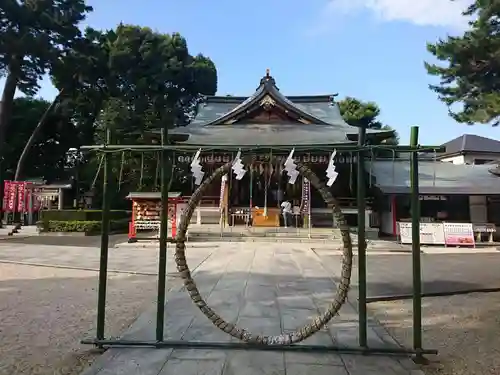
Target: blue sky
(369,49)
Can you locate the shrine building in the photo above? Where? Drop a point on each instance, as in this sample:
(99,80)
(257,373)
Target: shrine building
(277,123)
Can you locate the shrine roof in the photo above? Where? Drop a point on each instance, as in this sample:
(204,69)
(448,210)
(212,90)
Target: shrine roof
(435,177)
(318,120)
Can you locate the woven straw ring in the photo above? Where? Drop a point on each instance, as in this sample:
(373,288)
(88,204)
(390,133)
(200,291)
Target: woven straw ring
(284,339)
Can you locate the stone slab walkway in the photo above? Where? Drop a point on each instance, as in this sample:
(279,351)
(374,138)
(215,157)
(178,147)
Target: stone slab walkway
(265,289)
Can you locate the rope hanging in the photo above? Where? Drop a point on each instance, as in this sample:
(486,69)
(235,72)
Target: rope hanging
(351,168)
(120,178)
(157,172)
(372,157)
(250,190)
(266,183)
(393,166)
(142,171)
(240,333)
(98,171)
(434,167)
(172,170)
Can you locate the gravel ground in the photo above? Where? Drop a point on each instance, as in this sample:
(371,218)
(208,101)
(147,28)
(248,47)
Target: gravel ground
(45,312)
(464,329)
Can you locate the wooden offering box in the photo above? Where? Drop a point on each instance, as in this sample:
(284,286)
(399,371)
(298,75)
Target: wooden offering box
(271,220)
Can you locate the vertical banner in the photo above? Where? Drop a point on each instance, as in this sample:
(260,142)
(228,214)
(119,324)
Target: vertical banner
(11,199)
(306,196)
(6,195)
(21,196)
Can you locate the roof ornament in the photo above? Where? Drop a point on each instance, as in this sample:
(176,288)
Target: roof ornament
(267,79)
(332,99)
(267,103)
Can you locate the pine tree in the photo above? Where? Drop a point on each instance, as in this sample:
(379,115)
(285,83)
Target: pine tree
(470,76)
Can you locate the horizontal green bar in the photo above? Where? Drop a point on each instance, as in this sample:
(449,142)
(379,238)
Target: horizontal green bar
(351,148)
(248,346)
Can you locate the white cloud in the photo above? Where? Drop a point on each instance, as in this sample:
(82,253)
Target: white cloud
(443,13)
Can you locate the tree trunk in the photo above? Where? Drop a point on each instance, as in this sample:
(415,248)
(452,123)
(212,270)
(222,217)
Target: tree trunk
(6,102)
(32,138)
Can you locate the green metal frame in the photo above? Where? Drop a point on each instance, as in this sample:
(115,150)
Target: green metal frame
(360,148)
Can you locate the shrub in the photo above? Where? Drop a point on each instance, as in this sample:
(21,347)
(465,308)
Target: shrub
(83,226)
(82,215)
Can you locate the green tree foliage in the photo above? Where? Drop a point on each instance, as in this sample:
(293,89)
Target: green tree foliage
(47,157)
(365,114)
(133,81)
(33,35)
(152,74)
(468,67)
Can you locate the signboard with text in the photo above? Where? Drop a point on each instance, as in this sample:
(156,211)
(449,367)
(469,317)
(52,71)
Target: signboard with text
(459,234)
(430,233)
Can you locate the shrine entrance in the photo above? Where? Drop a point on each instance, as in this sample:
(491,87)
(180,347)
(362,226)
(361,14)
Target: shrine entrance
(285,341)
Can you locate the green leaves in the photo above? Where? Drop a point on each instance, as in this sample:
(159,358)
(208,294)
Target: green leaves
(47,157)
(33,34)
(358,113)
(151,74)
(469,67)
(364,114)
(132,80)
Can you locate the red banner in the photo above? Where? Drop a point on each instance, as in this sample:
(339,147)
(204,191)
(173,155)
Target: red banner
(11,198)
(6,194)
(21,196)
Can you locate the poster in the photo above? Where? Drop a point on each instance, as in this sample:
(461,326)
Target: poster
(459,234)
(430,233)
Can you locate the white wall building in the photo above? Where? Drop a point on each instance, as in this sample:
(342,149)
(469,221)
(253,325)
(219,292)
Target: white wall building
(471,150)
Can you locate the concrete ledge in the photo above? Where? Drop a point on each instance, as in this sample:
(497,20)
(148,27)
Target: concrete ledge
(67,234)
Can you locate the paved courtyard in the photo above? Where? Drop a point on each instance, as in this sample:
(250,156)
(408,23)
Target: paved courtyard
(267,290)
(265,287)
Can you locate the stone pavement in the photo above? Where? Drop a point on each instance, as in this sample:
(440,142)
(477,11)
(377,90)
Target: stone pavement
(265,289)
(122,260)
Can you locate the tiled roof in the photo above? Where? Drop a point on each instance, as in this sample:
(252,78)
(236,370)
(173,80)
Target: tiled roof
(326,127)
(471,143)
(435,177)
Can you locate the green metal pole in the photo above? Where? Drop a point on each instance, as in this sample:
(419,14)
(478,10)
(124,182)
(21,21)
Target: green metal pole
(162,262)
(415,241)
(361,197)
(103,261)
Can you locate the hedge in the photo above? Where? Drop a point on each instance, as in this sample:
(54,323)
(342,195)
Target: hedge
(84,226)
(82,215)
